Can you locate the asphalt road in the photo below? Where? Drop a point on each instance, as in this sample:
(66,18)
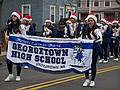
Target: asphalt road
(108,78)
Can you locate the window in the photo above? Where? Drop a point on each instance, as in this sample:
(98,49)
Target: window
(107,3)
(52,13)
(61,12)
(26,9)
(87,3)
(79,3)
(96,3)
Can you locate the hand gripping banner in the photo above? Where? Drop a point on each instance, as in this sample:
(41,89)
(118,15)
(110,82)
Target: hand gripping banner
(50,54)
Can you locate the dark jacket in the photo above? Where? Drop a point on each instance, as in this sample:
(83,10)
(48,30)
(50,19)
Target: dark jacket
(53,34)
(31,30)
(107,35)
(77,33)
(12,28)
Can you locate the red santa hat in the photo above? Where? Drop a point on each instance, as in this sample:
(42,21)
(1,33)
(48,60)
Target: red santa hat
(17,14)
(91,15)
(27,18)
(48,20)
(115,21)
(73,15)
(104,20)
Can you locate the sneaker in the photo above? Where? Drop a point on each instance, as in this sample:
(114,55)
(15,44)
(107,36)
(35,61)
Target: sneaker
(17,78)
(9,77)
(90,71)
(26,67)
(101,60)
(116,59)
(105,61)
(92,83)
(111,56)
(86,83)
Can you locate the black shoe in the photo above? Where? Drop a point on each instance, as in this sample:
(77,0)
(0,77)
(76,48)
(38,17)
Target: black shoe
(0,63)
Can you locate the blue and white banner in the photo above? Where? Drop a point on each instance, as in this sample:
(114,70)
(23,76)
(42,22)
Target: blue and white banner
(51,54)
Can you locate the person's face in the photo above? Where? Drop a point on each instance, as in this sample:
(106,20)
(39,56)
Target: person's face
(115,24)
(72,20)
(103,23)
(48,23)
(91,22)
(14,18)
(110,25)
(25,21)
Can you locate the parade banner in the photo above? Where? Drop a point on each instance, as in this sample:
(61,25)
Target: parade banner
(50,54)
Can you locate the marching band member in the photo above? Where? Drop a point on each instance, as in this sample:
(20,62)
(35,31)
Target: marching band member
(73,29)
(12,27)
(116,36)
(92,33)
(68,22)
(27,28)
(48,30)
(106,33)
(111,40)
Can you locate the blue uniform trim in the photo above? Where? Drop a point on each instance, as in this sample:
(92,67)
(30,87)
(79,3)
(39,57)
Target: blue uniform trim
(49,44)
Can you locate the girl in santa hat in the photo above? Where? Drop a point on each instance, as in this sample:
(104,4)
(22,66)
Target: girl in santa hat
(27,28)
(116,38)
(106,33)
(48,30)
(12,27)
(92,33)
(73,29)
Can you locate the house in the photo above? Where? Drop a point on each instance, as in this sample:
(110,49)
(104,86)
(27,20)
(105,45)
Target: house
(38,9)
(56,9)
(101,8)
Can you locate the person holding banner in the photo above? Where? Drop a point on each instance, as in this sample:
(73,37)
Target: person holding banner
(12,27)
(73,29)
(92,33)
(27,28)
(48,30)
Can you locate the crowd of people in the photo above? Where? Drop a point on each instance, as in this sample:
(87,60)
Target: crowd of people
(106,36)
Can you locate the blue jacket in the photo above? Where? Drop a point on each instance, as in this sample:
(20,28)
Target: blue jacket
(78,31)
(31,30)
(107,35)
(53,34)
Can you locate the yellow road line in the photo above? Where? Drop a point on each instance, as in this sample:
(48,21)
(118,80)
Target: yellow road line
(66,79)
(71,79)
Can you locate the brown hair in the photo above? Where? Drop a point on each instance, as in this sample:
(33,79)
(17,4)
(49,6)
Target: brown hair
(88,30)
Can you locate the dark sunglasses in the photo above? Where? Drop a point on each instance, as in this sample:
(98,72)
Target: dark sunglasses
(14,16)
